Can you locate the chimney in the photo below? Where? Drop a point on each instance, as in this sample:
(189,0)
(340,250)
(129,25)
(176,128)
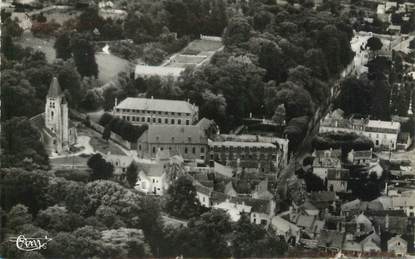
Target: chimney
(116,101)
(152,97)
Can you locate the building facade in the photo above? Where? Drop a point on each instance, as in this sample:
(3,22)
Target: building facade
(250,156)
(188,141)
(156,111)
(384,134)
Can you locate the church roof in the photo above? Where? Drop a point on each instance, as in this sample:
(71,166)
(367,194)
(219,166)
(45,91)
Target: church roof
(54,89)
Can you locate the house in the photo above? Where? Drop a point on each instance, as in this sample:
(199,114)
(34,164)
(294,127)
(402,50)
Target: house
(405,202)
(140,111)
(106,4)
(243,155)
(337,179)
(384,134)
(369,246)
(325,159)
(152,179)
(394,29)
(398,246)
(57,132)
(188,141)
(203,194)
(404,140)
(286,229)
(393,221)
(361,157)
(234,207)
(331,240)
(309,225)
(324,200)
(262,211)
(120,163)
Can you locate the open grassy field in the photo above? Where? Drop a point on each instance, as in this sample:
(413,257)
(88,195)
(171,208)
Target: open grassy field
(108,65)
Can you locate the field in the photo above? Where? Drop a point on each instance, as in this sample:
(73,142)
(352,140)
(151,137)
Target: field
(202,45)
(108,65)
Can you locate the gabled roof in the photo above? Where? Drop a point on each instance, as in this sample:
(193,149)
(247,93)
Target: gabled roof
(55,89)
(158,133)
(161,105)
(305,221)
(202,189)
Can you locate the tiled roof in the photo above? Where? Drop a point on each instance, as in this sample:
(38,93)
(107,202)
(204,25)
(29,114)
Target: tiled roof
(156,105)
(158,133)
(323,196)
(202,189)
(218,196)
(305,221)
(151,169)
(362,154)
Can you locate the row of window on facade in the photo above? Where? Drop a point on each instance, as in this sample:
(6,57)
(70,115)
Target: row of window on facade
(186,149)
(153,112)
(154,120)
(240,149)
(243,156)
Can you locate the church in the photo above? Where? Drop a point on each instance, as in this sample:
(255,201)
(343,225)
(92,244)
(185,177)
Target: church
(57,132)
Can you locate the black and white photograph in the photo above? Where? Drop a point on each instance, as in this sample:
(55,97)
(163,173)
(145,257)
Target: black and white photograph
(207,129)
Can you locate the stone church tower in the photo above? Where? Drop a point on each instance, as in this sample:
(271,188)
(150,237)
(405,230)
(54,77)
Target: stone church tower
(56,116)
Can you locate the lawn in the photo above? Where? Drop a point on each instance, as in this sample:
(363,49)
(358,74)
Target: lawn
(98,143)
(108,65)
(203,45)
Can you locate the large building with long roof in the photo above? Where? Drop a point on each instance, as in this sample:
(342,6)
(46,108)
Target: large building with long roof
(156,111)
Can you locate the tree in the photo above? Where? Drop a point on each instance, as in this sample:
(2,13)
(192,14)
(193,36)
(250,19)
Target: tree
(153,55)
(20,142)
(11,28)
(89,20)
(17,217)
(251,240)
(18,96)
(355,97)
(124,242)
(238,31)
(28,188)
(101,169)
(181,200)
(58,218)
(106,134)
(132,174)
(84,56)
(63,46)
(374,44)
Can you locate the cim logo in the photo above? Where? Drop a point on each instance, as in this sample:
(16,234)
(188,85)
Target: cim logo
(30,244)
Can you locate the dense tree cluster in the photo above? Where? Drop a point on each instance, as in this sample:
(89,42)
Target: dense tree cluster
(341,140)
(122,127)
(101,169)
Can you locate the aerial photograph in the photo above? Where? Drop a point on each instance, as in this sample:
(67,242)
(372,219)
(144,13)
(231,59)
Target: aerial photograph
(207,129)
